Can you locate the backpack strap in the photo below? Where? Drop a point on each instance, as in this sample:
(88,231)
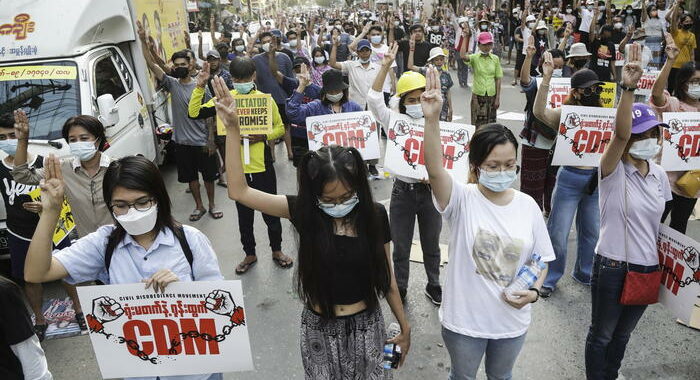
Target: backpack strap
(180,235)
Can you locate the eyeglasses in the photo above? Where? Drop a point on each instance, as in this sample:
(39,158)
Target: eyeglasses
(346,200)
(494,170)
(593,90)
(141,204)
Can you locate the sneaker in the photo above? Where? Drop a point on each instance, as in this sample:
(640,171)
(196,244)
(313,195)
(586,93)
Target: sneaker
(434,293)
(373,172)
(546,292)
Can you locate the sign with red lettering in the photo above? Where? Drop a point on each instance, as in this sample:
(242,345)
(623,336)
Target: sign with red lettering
(558,91)
(350,129)
(405,152)
(646,82)
(679,257)
(191,328)
(583,134)
(681,146)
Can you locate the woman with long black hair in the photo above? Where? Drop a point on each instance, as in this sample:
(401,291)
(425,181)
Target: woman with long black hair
(344,258)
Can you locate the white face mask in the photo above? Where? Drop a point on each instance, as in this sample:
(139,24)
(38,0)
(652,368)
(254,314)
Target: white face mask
(568,10)
(414,110)
(645,149)
(375,39)
(694,91)
(557,73)
(137,222)
(618,25)
(397,23)
(319,60)
(240,48)
(530,25)
(334,98)
(84,150)
(293,43)
(601,8)
(266,47)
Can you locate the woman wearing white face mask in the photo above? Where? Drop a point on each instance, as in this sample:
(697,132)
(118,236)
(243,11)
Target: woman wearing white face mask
(83,173)
(687,99)
(495,230)
(319,65)
(143,243)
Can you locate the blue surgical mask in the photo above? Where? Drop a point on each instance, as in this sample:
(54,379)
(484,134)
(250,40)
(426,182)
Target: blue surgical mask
(84,150)
(9,146)
(376,39)
(645,149)
(339,210)
(497,181)
(557,73)
(414,110)
(243,88)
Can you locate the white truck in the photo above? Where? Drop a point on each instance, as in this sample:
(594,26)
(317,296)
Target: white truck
(61,58)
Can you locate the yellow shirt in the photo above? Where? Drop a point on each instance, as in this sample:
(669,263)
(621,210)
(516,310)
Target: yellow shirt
(685,41)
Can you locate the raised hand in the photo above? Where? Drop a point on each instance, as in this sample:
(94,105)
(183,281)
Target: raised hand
(203,75)
(569,29)
(140,31)
(530,50)
(390,55)
(52,187)
(304,77)
(632,70)
(671,50)
(431,99)
(225,104)
(547,64)
(412,41)
(21,124)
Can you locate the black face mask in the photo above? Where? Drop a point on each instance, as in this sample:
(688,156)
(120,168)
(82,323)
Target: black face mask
(580,63)
(181,72)
(687,26)
(592,100)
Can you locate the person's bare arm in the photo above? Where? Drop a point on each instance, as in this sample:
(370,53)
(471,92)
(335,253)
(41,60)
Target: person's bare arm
(431,102)
(392,27)
(332,61)
(593,32)
(155,69)
(411,53)
(548,116)
(565,40)
(657,91)
(527,63)
(200,48)
(393,298)
(463,46)
(645,16)
(623,118)
(625,40)
(212,30)
(353,45)
(387,61)
(608,13)
(674,17)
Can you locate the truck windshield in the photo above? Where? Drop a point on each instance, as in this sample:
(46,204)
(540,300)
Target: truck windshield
(48,92)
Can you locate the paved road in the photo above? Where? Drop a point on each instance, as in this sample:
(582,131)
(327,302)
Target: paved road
(659,348)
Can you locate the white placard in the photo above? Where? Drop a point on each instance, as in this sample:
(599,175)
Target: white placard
(646,82)
(558,91)
(681,145)
(583,134)
(679,257)
(192,328)
(405,153)
(349,129)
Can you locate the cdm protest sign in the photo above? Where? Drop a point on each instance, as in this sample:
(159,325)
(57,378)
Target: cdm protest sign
(191,328)
(583,134)
(405,153)
(351,129)
(559,89)
(254,115)
(646,82)
(681,141)
(679,257)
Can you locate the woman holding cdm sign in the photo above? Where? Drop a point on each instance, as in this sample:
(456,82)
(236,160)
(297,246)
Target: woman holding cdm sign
(145,244)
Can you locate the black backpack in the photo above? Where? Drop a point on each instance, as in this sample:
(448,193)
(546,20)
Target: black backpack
(179,233)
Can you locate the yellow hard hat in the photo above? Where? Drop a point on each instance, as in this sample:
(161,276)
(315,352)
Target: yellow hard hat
(409,81)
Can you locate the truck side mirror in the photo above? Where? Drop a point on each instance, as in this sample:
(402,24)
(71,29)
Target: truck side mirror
(109,112)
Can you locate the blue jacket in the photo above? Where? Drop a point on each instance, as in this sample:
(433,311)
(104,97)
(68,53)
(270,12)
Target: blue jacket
(297,111)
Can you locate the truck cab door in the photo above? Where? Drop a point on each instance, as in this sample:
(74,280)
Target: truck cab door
(133,133)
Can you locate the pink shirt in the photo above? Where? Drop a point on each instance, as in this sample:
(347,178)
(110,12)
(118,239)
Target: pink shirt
(672,104)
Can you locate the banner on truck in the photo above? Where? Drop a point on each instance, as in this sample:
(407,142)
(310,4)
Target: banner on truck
(66,221)
(8,73)
(583,134)
(351,129)
(679,257)
(254,115)
(192,328)
(681,141)
(559,89)
(405,152)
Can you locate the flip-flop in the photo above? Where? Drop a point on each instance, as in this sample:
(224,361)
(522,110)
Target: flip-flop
(216,214)
(243,267)
(283,263)
(197,215)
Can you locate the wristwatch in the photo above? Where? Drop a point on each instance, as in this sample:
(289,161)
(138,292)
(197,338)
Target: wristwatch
(625,88)
(538,294)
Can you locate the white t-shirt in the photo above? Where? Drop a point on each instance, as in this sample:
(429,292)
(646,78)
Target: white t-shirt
(376,57)
(488,244)
(586,20)
(527,32)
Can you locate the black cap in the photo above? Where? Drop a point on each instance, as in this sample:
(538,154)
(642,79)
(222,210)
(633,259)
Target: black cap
(584,78)
(298,61)
(333,80)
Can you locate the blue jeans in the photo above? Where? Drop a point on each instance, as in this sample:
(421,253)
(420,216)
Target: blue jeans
(611,322)
(466,353)
(571,197)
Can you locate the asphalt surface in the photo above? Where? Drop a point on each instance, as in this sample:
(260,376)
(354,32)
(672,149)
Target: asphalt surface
(554,348)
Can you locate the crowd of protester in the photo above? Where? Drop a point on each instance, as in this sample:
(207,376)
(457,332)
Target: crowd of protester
(390,62)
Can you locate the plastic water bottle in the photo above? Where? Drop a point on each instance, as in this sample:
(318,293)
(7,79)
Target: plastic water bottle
(392,352)
(527,276)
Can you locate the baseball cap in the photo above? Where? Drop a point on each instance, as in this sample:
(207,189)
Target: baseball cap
(363,44)
(213,53)
(276,32)
(584,78)
(485,38)
(578,50)
(530,18)
(644,118)
(435,52)
(541,25)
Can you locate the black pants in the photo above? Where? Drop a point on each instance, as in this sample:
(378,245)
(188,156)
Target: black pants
(267,182)
(680,209)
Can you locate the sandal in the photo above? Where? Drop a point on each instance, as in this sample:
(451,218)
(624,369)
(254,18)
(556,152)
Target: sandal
(216,214)
(197,215)
(40,331)
(80,318)
(283,261)
(243,266)
(222,184)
